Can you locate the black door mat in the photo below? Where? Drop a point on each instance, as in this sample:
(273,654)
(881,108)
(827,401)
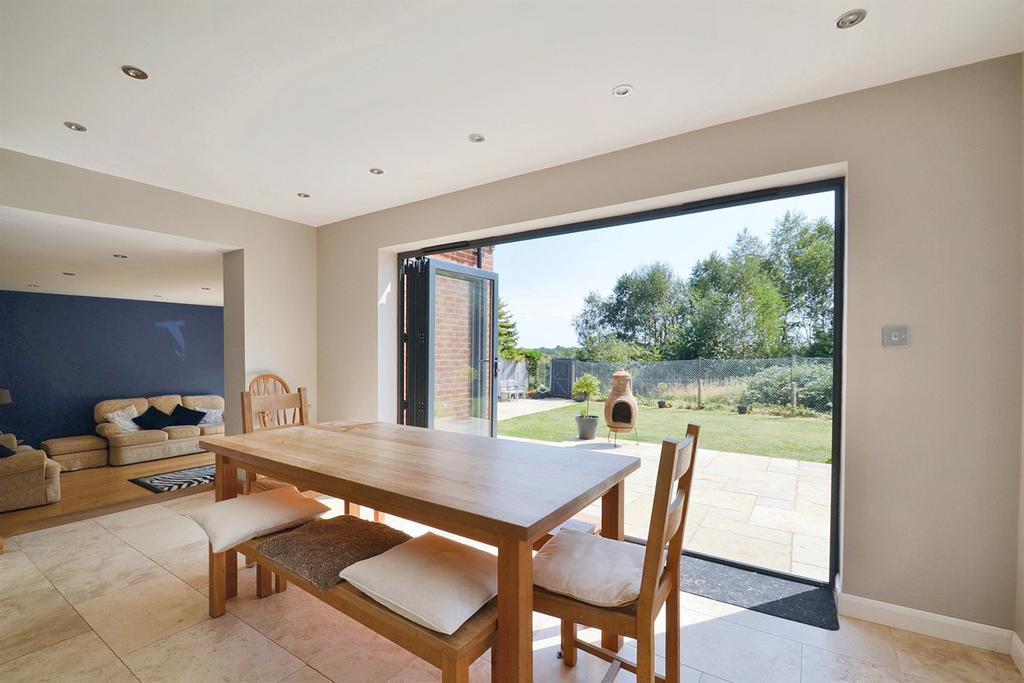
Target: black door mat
(793,600)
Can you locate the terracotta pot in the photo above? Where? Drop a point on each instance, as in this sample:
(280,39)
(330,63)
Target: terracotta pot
(620,408)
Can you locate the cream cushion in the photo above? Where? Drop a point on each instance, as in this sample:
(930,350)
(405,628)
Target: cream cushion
(181,431)
(213,416)
(590,568)
(431,580)
(137,437)
(237,520)
(123,418)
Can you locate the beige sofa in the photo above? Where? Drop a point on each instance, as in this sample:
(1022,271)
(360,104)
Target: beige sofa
(28,478)
(152,444)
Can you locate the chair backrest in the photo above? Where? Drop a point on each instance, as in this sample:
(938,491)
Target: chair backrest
(272,385)
(668,514)
(288,410)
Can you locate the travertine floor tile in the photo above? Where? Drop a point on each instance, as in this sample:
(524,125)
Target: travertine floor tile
(821,666)
(187,504)
(190,563)
(49,548)
(133,617)
(306,675)
(18,575)
(36,619)
(941,660)
(223,649)
(82,659)
(88,576)
(162,534)
(126,519)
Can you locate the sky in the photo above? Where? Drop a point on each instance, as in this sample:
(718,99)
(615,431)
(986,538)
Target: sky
(543,281)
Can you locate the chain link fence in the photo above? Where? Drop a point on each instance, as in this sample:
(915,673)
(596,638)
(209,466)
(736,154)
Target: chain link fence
(788,386)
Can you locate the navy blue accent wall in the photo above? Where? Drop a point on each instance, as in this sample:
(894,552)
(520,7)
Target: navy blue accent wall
(60,355)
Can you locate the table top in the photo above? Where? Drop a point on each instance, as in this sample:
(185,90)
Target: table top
(476,486)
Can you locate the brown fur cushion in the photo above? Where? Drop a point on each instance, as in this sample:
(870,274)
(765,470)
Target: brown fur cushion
(319,550)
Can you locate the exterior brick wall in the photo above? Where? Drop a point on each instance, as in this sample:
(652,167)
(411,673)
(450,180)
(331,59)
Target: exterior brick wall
(453,361)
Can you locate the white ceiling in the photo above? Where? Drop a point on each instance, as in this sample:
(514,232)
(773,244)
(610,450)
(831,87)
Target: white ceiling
(252,101)
(38,248)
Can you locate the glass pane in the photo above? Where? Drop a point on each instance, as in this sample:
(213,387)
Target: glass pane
(462,353)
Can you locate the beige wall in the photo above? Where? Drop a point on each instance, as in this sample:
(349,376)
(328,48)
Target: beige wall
(933,432)
(1019,622)
(276,269)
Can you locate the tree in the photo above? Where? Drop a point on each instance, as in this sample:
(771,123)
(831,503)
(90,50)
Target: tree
(803,265)
(508,334)
(613,350)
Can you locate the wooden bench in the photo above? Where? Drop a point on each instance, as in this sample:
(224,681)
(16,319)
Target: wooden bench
(452,654)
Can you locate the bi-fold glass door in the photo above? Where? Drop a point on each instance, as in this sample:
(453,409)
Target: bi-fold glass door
(450,344)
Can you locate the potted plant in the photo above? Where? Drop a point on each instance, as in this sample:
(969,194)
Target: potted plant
(742,408)
(543,391)
(663,395)
(586,424)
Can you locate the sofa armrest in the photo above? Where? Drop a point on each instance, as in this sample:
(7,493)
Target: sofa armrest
(22,461)
(108,429)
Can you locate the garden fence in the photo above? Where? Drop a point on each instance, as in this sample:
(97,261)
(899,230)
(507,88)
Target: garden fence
(790,385)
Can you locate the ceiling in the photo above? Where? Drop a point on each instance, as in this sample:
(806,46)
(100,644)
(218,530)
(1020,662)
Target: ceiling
(252,101)
(39,248)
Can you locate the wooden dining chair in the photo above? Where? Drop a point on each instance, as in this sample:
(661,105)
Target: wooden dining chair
(273,385)
(659,581)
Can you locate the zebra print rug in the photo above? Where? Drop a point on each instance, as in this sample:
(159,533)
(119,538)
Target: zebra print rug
(175,481)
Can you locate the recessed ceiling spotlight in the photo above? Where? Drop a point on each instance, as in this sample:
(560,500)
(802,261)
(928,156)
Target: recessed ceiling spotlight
(851,18)
(377,171)
(120,256)
(70,274)
(302,194)
(134,72)
(622,90)
(77,127)
(476,137)
(33,285)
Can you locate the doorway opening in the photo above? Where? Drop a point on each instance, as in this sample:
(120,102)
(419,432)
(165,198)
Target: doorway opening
(724,312)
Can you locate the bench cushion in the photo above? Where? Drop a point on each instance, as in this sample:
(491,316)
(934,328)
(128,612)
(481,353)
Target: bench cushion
(589,568)
(230,522)
(431,580)
(319,550)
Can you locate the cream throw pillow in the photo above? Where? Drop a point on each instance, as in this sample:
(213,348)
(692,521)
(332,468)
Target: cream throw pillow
(214,416)
(590,568)
(431,580)
(236,520)
(123,418)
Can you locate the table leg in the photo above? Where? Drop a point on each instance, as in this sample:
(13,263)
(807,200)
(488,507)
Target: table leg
(514,643)
(613,514)
(226,487)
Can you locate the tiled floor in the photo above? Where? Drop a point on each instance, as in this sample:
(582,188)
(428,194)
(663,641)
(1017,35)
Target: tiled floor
(767,512)
(122,598)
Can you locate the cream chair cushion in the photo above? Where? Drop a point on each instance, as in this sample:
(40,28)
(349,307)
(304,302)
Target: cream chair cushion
(431,580)
(592,569)
(236,520)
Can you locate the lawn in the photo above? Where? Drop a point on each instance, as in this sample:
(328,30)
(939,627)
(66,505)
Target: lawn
(798,438)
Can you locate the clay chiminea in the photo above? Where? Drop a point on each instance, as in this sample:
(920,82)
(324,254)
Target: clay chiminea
(620,408)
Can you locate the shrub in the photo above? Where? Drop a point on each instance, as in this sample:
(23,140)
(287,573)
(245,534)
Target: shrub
(770,387)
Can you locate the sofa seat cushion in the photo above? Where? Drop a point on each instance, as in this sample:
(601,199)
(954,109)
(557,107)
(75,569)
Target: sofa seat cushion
(210,430)
(73,444)
(182,432)
(599,571)
(143,436)
(431,580)
(236,520)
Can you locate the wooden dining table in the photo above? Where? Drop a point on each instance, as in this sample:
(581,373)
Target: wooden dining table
(501,492)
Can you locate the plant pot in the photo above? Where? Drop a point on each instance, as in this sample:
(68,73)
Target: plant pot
(543,394)
(586,426)
(741,409)
(662,403)
(579,398)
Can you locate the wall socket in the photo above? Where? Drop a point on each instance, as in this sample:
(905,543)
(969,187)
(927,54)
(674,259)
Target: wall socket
(895,336)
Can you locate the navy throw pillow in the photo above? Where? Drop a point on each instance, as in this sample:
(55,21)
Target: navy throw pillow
(185,416)
(5,452)
(153,418)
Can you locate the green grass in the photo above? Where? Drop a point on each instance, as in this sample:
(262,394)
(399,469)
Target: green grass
(797,438)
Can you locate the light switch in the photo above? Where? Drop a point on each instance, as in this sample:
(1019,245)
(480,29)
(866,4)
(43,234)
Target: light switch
(895,336)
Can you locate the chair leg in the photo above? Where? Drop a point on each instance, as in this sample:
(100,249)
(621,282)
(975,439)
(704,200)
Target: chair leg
(378,516)
(568,643)
(218,579)
(263,581)
(455,671)
(351,509)
(672,655)
(645,652)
